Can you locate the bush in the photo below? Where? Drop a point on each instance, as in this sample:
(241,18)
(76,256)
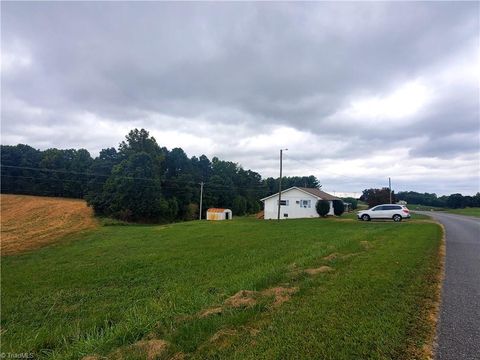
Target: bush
(338,207)
(323,207)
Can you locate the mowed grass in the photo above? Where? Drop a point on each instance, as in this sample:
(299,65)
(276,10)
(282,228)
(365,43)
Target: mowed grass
(116,285)
(475,211)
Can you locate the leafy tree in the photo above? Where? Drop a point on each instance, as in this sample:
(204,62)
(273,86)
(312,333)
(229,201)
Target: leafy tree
(101,169)
(287,182)
(412,197)
(239,206)
(138,141)
(191,211)
(253,206)
(456,201)
(338,207)
(476,200)
(376,197)
(132,192)
(322,207)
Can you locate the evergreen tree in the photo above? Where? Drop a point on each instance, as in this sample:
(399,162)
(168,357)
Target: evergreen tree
(322,207)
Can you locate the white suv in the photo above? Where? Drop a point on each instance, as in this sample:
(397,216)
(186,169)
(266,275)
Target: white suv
(385,211)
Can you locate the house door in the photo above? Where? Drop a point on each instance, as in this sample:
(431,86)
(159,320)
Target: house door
(227,216)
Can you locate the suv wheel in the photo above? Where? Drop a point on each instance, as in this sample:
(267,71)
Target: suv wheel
(397,218)
(365,217)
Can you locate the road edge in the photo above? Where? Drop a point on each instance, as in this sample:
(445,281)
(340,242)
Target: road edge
(431,345)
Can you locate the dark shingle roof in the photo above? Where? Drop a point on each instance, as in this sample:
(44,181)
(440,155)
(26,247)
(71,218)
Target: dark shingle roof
(319,193)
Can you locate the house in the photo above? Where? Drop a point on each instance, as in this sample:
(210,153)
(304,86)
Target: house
(297,202)
(219,214)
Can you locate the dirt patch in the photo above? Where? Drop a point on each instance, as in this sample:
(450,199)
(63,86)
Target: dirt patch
(91,357)
(249,298)
(332,256)
(211,311)
(30,222)
(222,334)
(281,294)
(347,256)
(243,298)
(151,348)
(321,269)
(252,331)
(222,338)
(178,356)
(366,244)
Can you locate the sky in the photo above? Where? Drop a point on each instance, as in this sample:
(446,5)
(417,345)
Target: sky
(357,92)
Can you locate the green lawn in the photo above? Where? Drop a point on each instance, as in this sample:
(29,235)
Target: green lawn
(99,292)
(423,207)
(466,211)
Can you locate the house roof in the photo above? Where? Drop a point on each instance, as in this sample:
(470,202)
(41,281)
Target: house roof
(217,210)
(319,194)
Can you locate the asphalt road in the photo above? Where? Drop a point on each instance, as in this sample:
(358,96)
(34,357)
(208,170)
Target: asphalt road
(458,332)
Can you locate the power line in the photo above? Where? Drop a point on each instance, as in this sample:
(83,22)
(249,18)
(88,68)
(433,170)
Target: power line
(190,182)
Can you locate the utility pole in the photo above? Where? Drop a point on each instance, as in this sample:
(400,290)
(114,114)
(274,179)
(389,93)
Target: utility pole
(201,199)
(280,184)
(390,188)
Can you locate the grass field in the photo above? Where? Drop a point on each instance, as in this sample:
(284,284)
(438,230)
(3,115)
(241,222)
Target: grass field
(424,207)
(242,289)
(466,211)
(44,220)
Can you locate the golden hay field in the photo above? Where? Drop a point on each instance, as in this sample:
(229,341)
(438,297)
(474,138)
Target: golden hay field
(30,222)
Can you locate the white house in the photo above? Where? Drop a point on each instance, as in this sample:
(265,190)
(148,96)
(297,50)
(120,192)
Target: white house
(219,214)
(297,202)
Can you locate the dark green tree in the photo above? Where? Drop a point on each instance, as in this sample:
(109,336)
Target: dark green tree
(338,207)
(133,192)
(456,201)
(322,207)
(374,197)
(239,206)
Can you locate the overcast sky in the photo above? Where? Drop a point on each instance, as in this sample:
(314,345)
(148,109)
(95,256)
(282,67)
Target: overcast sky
(357,92)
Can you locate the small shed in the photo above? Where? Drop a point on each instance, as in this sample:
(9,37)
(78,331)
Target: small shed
(219,214)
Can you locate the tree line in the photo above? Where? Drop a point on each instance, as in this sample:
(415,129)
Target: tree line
(454,201)
(139,180)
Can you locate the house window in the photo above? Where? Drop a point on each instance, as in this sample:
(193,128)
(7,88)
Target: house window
(306,203)
(285,215)
(283,202)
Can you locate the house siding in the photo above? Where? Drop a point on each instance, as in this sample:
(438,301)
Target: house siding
(293,209)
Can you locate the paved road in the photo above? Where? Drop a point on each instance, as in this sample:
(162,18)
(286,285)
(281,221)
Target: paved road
(458,331)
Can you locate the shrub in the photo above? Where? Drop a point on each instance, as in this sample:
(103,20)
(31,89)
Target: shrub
(323,207)
(338,207)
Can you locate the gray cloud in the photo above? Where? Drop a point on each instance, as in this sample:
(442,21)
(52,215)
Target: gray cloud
(240,80)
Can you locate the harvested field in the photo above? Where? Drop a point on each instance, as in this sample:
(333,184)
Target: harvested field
(30,222)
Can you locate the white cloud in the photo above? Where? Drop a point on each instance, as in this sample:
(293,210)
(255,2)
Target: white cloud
(14,57)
